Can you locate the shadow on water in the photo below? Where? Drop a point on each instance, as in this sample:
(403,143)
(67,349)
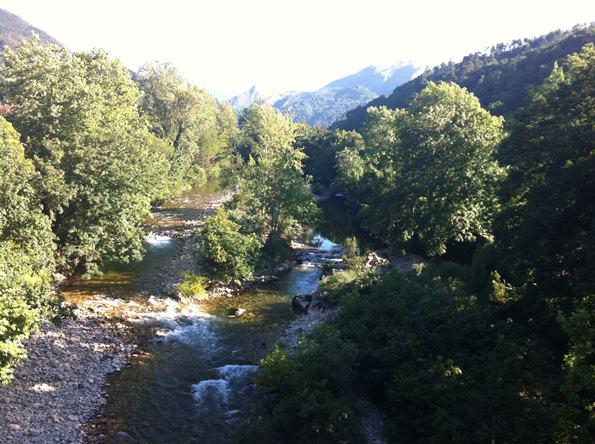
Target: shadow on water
(340,220)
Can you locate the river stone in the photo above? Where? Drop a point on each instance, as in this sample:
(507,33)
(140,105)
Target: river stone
(121,436)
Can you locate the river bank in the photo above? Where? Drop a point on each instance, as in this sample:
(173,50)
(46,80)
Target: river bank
(60,387)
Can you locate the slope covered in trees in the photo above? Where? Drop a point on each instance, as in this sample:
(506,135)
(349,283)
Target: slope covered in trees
(501,78)
(13,30)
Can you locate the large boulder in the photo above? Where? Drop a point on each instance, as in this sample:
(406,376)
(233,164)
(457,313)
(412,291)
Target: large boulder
(300,303)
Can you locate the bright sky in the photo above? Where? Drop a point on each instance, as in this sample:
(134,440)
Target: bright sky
(226,46)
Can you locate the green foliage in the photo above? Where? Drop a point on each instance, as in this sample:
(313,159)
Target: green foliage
(230,255)
(77,114)
(576,419)
(547,230)
(26,251)
(273,195)
(16,323)
(429,171)
(321,147)
(188,119)
(193,286)
(307,387)
(443,365)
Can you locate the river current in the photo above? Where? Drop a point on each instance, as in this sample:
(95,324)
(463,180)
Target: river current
(194,380)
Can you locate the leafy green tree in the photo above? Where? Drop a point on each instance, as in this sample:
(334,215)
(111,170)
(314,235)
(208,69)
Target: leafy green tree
(26,251)
(576,422)
(307,389)
(548,229)
(273,193)
(99,165)
(186,117)
(230,255)
(321,147)
(429,171)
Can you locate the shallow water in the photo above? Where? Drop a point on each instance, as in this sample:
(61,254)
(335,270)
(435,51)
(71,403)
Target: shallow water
(194,381)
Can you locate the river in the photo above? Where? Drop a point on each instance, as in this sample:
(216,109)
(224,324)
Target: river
(193,381)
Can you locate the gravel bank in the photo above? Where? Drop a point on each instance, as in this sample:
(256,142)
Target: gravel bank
(59,388)
(61,383)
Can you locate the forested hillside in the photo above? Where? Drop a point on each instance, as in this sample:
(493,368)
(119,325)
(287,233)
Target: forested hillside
(13,30)
(326,105)
(501,78)
(491,340)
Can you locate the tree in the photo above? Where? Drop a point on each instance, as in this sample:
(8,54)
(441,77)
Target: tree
(429,171)
(183,115)
(229,254)
(547,231)
(321,147)
(26,251)
(78,117)
(273,193)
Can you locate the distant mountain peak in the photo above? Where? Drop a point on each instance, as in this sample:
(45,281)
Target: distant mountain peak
(327,104)
(246,98)
(378,79)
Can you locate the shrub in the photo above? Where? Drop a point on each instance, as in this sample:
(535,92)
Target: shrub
(309,404)
(26,252)
(193,286)
(229,255)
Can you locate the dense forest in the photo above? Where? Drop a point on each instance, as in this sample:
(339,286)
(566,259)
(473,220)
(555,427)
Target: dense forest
(485,168)
(492,339)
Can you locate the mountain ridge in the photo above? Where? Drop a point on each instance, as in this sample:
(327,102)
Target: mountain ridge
(501,78)
(13,30)
(325,105)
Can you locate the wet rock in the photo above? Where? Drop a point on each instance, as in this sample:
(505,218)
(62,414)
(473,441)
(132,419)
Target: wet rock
(121,436)
(300,303)
(236,312)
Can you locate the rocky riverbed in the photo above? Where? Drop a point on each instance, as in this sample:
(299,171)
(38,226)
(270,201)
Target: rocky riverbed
(60,385)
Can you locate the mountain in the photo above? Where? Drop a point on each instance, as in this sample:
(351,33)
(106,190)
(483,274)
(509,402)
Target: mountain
(245,99)
(13,30)
(500,78)
(324,106)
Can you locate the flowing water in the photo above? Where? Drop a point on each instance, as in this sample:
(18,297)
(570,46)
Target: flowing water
(194,380)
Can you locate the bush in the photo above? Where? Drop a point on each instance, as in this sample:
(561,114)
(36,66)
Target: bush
(193,286)
(229,255)
(17,321)
(309,403)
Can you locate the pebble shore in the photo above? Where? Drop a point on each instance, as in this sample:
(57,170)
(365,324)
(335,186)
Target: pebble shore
(59,388)
(60,385)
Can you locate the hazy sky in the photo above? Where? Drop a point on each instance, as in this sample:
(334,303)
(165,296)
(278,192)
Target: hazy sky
(226,46)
